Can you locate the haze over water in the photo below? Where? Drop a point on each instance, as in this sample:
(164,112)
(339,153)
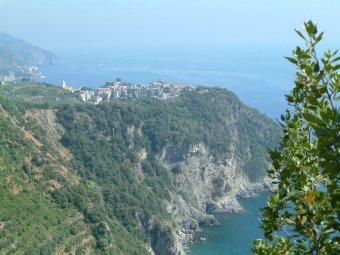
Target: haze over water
(237,44)
(259,76)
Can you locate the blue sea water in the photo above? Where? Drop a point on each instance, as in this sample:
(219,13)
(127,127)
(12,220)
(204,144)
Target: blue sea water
(236,233)
(259,76)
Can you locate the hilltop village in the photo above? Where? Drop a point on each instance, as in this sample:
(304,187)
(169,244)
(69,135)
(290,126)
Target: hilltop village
(119,90)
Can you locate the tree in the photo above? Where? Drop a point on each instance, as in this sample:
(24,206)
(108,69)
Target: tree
(302,215)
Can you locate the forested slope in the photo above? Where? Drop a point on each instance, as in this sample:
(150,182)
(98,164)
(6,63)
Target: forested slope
(122,177)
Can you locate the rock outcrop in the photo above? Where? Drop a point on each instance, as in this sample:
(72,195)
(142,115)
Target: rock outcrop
(206,185)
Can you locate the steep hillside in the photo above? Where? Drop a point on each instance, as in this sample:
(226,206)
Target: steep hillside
(30,221)
(21,58)
(135,176)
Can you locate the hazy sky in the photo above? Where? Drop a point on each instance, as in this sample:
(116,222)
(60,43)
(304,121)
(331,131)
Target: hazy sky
(90,24)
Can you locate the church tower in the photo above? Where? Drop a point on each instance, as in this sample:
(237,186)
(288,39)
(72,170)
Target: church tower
(63,84)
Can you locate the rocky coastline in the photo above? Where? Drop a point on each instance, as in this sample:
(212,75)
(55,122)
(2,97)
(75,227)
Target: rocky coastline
(194,208)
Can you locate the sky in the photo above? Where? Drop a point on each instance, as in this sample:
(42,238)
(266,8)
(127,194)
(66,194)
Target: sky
(59,25)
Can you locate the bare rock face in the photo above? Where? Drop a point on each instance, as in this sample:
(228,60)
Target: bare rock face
(207,185)
(168,246)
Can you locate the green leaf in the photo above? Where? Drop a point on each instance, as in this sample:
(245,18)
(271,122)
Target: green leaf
(301,211)
(298,50)
(328,54)
(290,221)
(321,131)
(292,60)
(319,38)
(337,67)
(276,165)
(330,167)
(300,34)
(312,118)
(311,28)
(305,55)
(336,59)
(290,98)
(309,70)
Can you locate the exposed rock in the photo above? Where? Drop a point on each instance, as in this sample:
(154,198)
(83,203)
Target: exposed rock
(169,244)
(201,194)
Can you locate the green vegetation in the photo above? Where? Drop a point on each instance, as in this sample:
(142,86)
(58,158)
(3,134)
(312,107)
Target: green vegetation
(106,150)
(302,216)
(40,94)
(73,178)
(30,221)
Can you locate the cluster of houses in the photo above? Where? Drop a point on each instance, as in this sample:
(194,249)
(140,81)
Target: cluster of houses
(15,73)
(120,90)
(7,76)
(28,69)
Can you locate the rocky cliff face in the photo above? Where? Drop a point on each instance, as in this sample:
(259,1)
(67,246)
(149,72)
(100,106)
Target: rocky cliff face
(207,185)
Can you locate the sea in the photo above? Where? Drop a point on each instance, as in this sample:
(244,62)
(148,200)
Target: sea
(237,232)
(259,76)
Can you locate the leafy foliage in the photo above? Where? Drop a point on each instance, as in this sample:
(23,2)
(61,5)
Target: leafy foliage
(302,217)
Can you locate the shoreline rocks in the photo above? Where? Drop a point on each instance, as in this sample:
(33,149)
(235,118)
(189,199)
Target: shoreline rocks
(192,207)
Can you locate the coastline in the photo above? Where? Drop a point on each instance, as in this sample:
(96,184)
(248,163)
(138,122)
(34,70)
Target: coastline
(224,237)
(255,190)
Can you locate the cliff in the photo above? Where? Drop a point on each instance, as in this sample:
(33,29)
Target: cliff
(129,177)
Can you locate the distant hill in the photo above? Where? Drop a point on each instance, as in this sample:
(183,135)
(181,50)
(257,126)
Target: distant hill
(21,58)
